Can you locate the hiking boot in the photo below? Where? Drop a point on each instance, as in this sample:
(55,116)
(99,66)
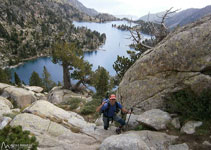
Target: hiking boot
(118,130)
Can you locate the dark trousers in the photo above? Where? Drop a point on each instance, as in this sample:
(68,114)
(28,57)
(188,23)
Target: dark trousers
(106,121)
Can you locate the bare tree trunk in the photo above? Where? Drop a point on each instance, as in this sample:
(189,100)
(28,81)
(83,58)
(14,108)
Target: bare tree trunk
(66,76)
(77,86)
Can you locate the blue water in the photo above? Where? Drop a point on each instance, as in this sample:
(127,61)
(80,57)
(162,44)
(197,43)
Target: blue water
(117,43)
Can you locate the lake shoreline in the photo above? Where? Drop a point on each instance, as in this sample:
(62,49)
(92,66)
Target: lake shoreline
(25,60)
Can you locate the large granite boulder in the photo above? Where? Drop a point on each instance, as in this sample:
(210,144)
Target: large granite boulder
(132,123)
(155,118)
(6,102)
(36,89)
(48,110)
(21,97)
(59,95)
(182,59)
(138,140)
(5,106)
(2,87)
(53,136)
(129,141)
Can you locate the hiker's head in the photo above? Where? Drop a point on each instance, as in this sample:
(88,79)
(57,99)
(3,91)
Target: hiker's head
(112,99)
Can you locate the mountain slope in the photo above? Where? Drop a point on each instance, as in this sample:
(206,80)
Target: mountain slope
(152,17)
(181,18)
(78,5)
(28,28)
(187,16)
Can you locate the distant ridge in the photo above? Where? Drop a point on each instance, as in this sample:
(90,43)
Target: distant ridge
(187,16)
(181,18)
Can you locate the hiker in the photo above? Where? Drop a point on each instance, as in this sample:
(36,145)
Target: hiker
(109,110)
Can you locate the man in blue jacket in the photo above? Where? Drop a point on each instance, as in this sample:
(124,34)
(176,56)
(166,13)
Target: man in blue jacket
(109,110)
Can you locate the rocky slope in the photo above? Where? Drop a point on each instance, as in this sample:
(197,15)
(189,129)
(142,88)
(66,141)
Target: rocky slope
(28,28)
(182,59)
(58,129)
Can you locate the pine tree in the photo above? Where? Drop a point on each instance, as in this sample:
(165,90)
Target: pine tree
(70,58)
(82,75)
(17,80)
(101,81)
(35,80)
(59,83)
(47,82)
(4,76)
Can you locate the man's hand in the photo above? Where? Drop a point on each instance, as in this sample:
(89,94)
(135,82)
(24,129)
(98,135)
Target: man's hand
(129,112)
(103,103)
(98,108)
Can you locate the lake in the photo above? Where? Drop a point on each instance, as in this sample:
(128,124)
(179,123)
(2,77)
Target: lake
(117,43)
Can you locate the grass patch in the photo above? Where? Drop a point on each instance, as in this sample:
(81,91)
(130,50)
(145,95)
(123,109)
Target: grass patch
(139,128)
(90,107)
(73,103)
(143,127)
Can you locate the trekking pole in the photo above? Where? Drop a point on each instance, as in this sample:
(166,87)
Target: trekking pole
(129,116)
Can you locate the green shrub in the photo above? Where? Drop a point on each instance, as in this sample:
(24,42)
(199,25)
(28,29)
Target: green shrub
(204,129)
(90,107)
(140,127)
(73,103)
(17,137)
(189,105)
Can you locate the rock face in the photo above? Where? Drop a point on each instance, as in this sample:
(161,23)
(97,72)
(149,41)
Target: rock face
(182,59)
(183,146)
(139,140)
(45,109)
(58,95)
(6,101)
(5,106)
(36,89)
(190,126)
(133,123)
(4,121)
(176,123)
(124,142)
(20,96)
(52,135)
(155,118)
